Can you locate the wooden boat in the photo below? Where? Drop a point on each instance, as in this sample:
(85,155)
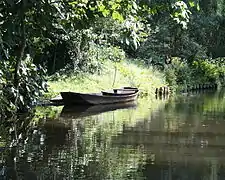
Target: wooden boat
(108,97)
(57,101)
(119,92)
(87,110)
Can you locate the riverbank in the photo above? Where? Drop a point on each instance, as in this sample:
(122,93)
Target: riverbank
(112,75)
(178,76)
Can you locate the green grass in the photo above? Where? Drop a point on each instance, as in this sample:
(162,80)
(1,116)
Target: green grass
(125,73)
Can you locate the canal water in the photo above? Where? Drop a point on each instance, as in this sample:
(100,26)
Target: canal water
(179,138)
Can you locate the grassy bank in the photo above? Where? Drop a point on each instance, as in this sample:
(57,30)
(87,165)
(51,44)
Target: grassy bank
(112,75)
(179,76)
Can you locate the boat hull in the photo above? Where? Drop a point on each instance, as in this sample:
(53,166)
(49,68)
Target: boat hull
(70,98)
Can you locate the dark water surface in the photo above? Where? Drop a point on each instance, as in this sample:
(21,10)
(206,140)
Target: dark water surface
(181,138)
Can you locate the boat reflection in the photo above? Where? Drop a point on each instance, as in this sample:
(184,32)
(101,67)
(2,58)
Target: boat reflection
(83,110)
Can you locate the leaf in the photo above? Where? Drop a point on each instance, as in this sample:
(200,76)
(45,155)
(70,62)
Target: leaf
(135,5)
(73,3)
(127,41)
(21,99)
(28,89)
(101,8)
(198,7)
(192,3)
(117,16)
(59,11)
(115,6)
(105,13)
(6,52)
(135,44)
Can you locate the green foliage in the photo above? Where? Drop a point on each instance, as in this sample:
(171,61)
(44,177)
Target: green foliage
(183,74)
(92,61)
(191,36)
(178,74)
(30,87)
(171,78)
(220,7)
(133,33)
(181,13)
(77,37)
(168,37)
(208,71)
(31,84)
(208,31)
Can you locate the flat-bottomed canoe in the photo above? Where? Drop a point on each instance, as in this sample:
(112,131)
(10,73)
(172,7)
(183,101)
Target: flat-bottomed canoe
(70,98)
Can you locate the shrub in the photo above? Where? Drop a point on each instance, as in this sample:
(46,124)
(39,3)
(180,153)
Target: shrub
(31,85)
(92,61)
(183,74)
(206,70)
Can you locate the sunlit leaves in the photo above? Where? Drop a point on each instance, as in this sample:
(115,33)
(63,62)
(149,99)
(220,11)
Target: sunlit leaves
(133,33)
(135,6)
(105,12)
(117,16)
(181,13)
(207,69)
(221,7)
(194,4)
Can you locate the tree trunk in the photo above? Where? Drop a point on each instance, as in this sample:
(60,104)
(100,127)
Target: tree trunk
(20,55)
(21,48)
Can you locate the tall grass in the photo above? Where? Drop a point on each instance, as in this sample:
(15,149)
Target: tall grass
(113,75)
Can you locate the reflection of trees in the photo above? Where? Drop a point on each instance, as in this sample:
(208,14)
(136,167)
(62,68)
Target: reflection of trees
(114,145)
(70,148)
(209,104)
(174,171)
(102,161)
(183,140)
(14,153)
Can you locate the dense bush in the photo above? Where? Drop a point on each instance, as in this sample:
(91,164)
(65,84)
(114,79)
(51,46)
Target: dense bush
(206,71)
(21,97)
(184,74)
(92,61)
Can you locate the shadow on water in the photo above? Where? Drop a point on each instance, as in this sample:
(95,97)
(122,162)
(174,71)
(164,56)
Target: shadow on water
(83,111)
(179,138)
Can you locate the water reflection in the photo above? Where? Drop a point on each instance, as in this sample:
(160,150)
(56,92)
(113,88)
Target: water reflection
(180,138)
(185,140)
(85,110)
